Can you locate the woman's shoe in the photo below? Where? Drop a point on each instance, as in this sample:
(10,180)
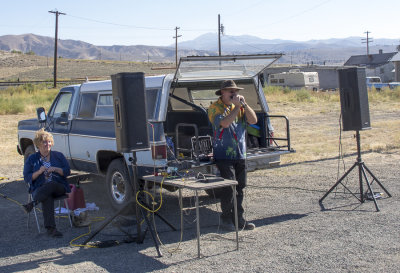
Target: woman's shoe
(53,232)
(28,207)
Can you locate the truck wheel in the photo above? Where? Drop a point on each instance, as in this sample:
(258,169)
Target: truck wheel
(118,188)
(28,151)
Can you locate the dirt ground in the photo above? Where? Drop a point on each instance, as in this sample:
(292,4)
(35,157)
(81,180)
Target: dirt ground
(293,234)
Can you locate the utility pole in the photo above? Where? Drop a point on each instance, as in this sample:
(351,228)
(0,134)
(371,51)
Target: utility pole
(367,41)
(220,31)
(57,13)
(176,45)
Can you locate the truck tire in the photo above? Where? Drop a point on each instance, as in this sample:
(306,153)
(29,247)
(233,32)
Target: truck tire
(28,151)
(118,188)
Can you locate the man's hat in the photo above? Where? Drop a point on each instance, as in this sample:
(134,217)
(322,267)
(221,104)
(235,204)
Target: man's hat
(228,84)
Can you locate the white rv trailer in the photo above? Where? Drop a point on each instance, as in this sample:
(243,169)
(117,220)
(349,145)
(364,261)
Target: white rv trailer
(295,79)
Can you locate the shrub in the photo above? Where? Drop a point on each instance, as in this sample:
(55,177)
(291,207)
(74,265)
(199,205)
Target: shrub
(303,95)
(16,51)
(25,98)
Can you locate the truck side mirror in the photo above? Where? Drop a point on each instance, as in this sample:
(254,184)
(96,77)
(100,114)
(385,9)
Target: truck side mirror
(41,114)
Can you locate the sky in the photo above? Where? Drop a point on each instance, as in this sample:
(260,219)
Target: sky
(153,22)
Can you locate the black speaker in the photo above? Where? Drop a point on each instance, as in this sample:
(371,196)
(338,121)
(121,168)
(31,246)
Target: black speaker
(130,113)
(354,99)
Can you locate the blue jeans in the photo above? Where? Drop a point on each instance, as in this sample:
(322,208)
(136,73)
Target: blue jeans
(232,170)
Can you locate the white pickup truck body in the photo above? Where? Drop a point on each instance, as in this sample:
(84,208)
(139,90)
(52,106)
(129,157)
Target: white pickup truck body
(81,120)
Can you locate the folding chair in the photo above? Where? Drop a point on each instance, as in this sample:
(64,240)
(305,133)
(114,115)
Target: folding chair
(59,199)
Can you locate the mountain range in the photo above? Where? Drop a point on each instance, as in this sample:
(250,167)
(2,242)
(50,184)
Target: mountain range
(328,51)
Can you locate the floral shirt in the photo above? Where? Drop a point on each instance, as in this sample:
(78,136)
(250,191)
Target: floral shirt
(228,143)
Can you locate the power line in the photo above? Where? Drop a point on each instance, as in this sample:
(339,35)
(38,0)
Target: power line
(240,42)
(132,26)
(299,13)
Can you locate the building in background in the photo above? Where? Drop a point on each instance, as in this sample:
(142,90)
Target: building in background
(380,64)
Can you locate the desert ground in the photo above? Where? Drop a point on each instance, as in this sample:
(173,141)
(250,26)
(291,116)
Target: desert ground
(294,231)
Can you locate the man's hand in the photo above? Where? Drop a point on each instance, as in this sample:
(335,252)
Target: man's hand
(236,100)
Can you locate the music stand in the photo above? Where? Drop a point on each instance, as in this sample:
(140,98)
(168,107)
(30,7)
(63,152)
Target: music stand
(362,168)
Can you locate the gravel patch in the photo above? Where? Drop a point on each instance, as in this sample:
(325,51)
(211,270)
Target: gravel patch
(294,233)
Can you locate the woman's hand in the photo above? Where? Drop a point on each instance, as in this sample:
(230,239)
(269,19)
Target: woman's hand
(38,172)
(55,169)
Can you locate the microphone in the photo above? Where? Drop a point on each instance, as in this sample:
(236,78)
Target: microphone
(241,102)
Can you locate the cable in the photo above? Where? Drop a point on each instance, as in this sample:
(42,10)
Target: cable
(97,219)
(173,250)
(12,200)
(340,152)
(153,201)
(133,26)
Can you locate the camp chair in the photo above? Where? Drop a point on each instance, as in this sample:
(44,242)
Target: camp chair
(59,199)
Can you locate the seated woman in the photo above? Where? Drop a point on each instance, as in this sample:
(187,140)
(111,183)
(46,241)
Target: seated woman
(45,172)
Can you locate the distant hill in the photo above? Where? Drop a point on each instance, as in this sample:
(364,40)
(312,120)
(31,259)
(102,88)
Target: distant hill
(329,51)
(72,49)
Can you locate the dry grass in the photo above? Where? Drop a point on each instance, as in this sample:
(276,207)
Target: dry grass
(315,129)
(9,138)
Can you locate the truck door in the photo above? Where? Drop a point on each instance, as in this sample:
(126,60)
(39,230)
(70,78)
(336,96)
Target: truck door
(59,123)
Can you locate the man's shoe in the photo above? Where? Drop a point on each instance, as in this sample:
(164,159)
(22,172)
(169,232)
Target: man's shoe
(246,225)
(53,232)
(28,207)
(227,225)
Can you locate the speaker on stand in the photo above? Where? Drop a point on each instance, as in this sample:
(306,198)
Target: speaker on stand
(354,99)
(130,113)
(130,118)
(355,117)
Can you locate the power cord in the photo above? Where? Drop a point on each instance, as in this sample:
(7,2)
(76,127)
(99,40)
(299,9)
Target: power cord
(340,152)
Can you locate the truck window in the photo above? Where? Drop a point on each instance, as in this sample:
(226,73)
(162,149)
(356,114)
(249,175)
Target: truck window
(203,97)
(87,105)
(152,102)
(177,105)
(105,107)
(61,105)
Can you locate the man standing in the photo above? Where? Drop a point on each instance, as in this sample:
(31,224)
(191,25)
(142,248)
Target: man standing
(229,116)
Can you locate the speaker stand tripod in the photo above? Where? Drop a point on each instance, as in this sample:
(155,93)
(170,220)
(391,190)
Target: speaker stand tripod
(362,169)
(139,210)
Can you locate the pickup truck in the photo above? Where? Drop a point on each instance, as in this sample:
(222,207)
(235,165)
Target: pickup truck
(81,119)
(377,83)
